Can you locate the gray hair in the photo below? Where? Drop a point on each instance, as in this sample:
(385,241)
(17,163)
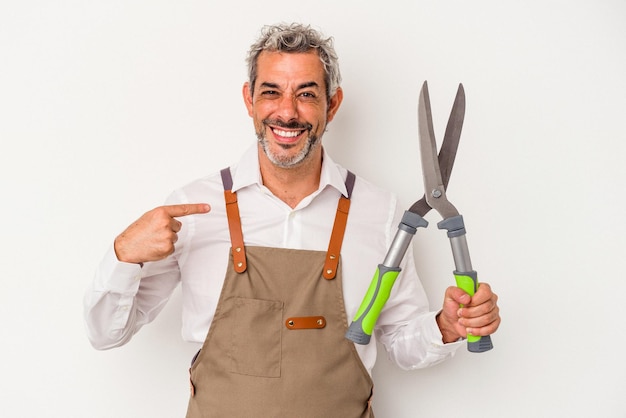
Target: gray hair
(294,38)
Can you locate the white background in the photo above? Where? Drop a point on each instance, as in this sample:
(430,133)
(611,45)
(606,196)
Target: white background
(107,106)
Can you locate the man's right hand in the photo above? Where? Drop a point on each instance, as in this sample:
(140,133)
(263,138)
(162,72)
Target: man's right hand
(152,237)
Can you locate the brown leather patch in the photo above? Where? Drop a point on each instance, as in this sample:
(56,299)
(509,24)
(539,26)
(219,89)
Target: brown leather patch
(306,322)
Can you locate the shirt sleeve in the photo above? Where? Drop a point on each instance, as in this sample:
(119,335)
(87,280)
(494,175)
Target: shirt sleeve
(123,297)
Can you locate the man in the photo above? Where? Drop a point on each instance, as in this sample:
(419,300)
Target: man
(267,272)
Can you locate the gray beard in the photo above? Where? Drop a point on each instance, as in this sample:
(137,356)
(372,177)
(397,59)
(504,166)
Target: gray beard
(288,162)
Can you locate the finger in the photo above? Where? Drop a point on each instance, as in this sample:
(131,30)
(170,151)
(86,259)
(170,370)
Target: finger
(483,294)
(455,296)
(479,308)
(484,328)
(472,318)
(187,209)
(481,320)
(176,225)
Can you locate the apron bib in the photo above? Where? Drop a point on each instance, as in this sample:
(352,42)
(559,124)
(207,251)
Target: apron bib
(276,347)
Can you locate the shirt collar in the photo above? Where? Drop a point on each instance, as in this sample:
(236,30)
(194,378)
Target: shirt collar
(247,172)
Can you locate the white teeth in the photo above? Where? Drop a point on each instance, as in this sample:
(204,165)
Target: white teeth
(287,134)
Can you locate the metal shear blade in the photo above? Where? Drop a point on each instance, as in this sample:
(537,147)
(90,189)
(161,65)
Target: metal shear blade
(437,168)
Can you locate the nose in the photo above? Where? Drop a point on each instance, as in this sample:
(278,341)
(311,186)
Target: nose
(287,108)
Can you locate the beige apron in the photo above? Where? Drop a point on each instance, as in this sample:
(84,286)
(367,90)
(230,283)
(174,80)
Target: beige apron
(276,346)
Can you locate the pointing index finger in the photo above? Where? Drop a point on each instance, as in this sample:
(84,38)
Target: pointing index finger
(187,209)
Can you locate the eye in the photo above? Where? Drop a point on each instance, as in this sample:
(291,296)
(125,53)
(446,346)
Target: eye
(308,95)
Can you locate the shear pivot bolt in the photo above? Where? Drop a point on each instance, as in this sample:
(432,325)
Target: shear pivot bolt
(436,193)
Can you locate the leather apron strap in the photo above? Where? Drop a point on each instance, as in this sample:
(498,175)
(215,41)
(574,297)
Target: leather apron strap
(339,228)
(234,223)
(236,234)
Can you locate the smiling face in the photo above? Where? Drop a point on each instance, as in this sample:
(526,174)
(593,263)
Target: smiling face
(289,108)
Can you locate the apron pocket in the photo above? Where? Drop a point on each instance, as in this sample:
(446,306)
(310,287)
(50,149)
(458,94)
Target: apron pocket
(256,337)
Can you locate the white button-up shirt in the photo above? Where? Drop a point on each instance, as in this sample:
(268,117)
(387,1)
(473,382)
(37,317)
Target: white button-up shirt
(123,297)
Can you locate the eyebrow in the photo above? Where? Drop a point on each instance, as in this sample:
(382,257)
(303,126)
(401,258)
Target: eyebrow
(307,85)
(300,87)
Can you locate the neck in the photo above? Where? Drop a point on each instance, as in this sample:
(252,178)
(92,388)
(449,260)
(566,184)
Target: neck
(292,184)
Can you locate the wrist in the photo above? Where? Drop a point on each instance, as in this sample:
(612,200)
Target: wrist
(119,253)
(448,333)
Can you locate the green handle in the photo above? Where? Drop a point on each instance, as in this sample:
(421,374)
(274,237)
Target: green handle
(360,331)
(468,281)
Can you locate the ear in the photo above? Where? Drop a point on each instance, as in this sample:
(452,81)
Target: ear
(247,97)
(335,102)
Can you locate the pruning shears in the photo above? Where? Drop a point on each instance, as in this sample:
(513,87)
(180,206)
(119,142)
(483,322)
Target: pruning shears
(436,169)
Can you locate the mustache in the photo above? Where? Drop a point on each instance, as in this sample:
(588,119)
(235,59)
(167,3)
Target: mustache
(294,124)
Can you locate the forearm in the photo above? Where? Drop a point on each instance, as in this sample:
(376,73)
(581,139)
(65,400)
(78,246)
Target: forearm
(122,298)
(109,323)
(109,303)
(418,343)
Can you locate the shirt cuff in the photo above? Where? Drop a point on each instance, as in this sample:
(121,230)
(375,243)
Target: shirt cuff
(117,276)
